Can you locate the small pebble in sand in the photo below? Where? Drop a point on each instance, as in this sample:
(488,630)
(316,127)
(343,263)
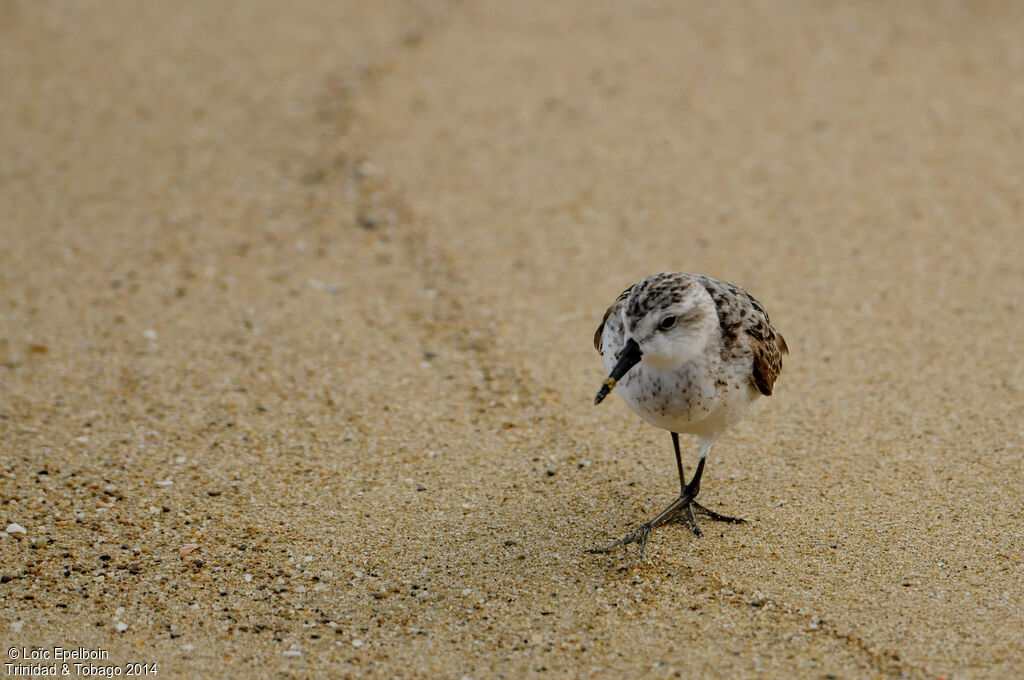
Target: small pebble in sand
(357,643)
(16,529)
(292,652)
(165,482)
(121,626)
(188,548)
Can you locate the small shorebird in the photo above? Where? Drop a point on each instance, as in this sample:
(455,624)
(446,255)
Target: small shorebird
(689,354)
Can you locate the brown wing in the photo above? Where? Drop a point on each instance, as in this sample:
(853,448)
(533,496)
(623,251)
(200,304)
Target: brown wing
(600,329)
(739,311)
(768,361)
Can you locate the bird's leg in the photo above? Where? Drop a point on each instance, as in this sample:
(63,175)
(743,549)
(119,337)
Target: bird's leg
(690,491)
(682,510)
(693,488)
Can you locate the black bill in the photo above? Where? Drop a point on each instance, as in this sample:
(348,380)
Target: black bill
(628,358)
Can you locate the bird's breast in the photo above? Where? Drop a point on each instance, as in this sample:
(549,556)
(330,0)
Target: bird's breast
(688,398)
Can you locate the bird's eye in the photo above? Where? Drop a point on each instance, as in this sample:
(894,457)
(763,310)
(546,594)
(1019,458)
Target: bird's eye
(667,323)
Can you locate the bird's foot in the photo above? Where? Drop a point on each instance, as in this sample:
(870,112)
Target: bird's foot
(640,536)
(683,510)
(712,515)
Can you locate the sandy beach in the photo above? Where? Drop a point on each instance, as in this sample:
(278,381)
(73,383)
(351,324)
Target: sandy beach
(296,309)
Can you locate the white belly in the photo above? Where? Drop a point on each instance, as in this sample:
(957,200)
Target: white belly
(697,398)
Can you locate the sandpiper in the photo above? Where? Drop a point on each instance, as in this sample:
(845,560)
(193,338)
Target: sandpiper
(689,354)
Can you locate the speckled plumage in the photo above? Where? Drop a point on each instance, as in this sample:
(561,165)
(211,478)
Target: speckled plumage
(745,353)
(689,354)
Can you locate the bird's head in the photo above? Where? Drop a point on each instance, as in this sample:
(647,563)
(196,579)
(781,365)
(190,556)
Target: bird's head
(667,320)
